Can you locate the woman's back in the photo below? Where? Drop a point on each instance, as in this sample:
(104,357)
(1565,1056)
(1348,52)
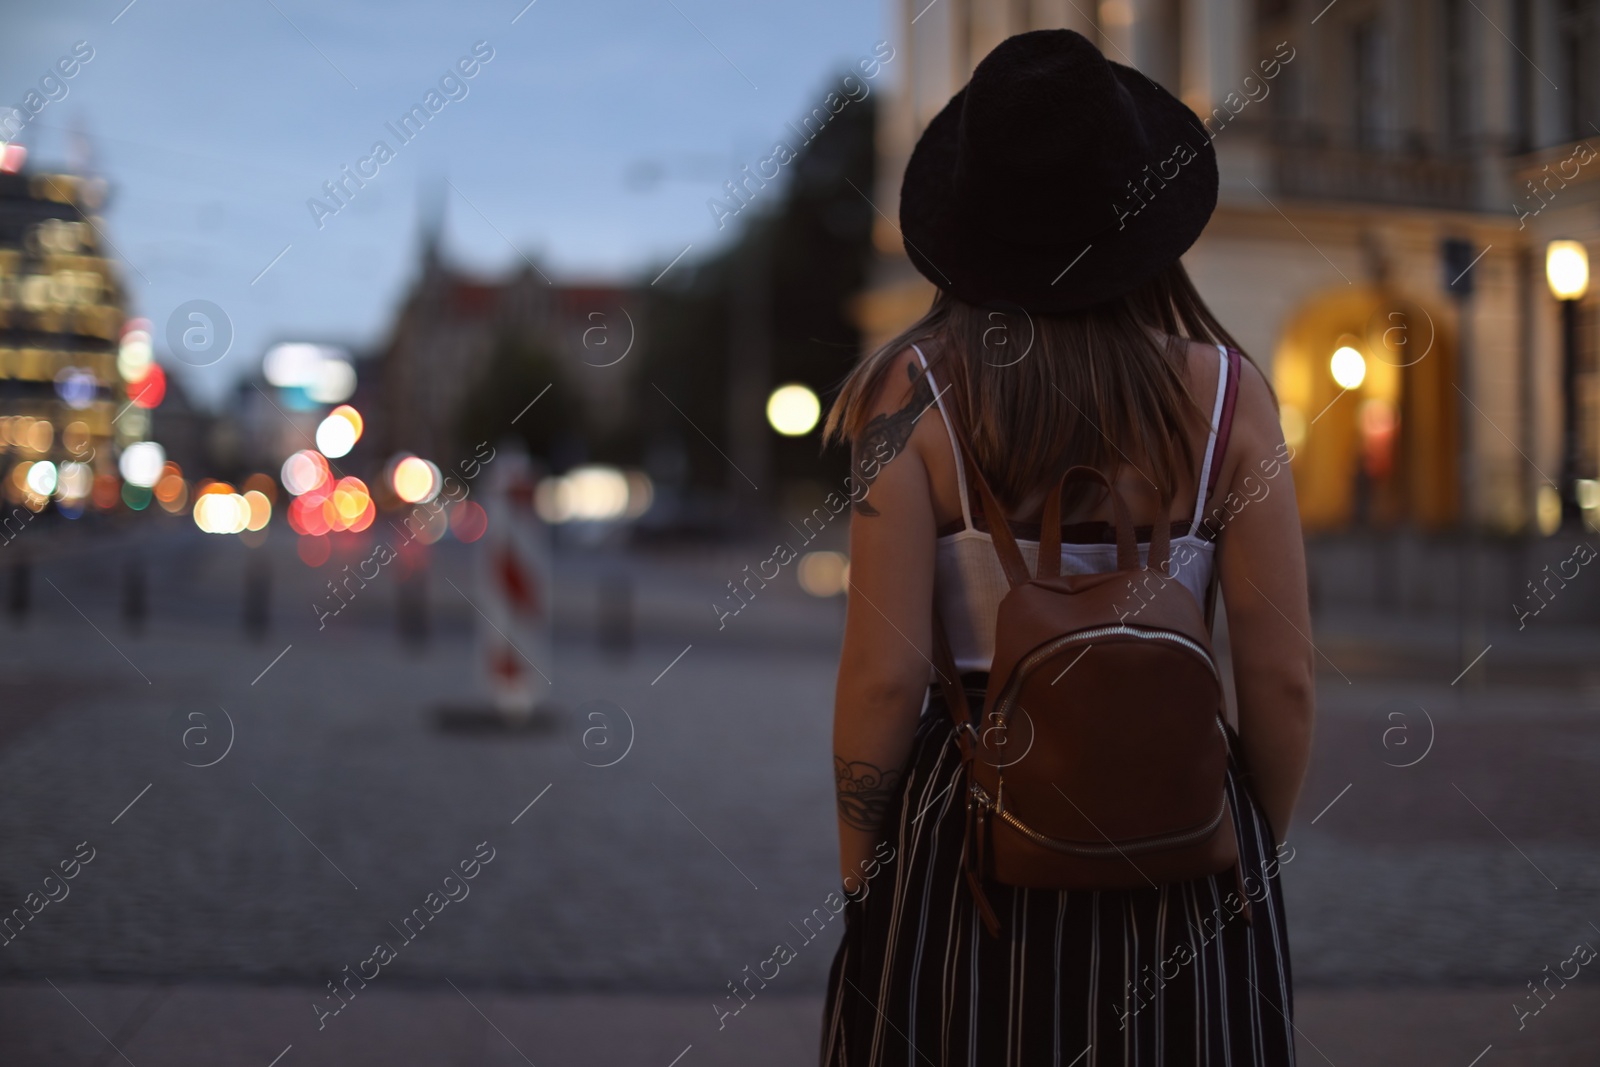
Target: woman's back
(970,581)
(943,961)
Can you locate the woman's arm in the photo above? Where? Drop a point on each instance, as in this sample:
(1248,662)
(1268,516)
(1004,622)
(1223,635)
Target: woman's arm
(1263,574)
(885,665)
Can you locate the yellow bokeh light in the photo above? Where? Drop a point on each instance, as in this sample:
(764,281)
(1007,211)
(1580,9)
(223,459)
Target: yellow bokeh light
(335,437)
(1566,268)
(823,574)
(350,415)
(793,410)
(219,510)
(1293,422)
(1348,367)
(415,480)
(260,509)
(1547,510)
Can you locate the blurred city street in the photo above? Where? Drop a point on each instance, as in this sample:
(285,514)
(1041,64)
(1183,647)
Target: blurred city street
(404,407)
(633,893)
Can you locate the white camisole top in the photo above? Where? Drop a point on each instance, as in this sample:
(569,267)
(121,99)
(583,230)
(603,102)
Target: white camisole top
(969,581)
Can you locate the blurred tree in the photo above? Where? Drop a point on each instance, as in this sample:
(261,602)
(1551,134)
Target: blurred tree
(811,239)
(518,369)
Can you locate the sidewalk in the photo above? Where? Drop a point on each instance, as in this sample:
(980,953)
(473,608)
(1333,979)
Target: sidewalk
(237,1026)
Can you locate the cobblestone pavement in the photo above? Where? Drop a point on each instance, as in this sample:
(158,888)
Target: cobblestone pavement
(340,806)
(242,1026)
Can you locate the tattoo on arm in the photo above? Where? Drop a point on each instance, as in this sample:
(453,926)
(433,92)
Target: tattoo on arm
(886,435)
(865,792)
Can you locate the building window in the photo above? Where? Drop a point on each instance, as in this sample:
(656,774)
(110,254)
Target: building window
(1578,34)
(1367,96)
(1458,74)
(1522,75)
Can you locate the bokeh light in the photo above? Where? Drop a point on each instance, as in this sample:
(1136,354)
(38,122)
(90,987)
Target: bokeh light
(137,497)
(427,525)
(335,380)
(106,491)
(584,494)
(142,464)
(336,436)
(823,574)
(260,509)
(306,516)
(415,480)
(40,435)
(1547,510)
(1348,367)
(641,494)
(134,354)
(76,387)
(1566,268)
(304,472)
(75,481)
(219,509)
(76,437)
(349,506)
(468,521)
(793,410)
(149,389)
(322,372)
(41,478)
(17,484)
(170,489)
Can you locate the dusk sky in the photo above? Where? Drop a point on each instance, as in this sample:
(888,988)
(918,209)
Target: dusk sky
(591,140)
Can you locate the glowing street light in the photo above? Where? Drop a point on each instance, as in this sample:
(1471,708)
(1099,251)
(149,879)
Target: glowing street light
(1348,367)
(1566,268)
(339,432)
(793,410)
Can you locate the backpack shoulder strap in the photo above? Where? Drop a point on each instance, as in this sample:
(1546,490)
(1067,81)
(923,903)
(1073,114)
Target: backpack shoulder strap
(1005,542)
(1216,449)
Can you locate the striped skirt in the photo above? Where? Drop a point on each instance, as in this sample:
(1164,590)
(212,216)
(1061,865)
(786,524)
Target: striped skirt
(1159,976)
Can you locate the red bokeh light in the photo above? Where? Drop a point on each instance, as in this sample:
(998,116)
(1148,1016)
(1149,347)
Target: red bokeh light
(149,391)
(468,521)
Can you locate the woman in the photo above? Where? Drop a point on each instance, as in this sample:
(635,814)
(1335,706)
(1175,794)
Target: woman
(1049,203)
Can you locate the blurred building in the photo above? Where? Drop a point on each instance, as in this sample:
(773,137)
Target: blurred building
(451,324)
(64,407)
(1356,140)
(277,410)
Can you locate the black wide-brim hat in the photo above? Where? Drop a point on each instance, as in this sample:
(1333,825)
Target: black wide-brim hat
(1055,180)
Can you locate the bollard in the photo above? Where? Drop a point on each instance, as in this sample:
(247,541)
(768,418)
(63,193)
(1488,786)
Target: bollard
(257,596)
(413,604)
(18,600)
(615,620)
(134,607)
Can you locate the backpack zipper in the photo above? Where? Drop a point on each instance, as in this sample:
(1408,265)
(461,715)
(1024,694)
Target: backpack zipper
(1034,658)
(1171,840)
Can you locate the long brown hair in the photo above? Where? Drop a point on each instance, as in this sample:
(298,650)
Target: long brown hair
(1039,393)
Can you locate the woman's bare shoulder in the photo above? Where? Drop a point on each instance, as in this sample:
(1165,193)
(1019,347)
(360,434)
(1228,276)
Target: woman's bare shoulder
(1202,363)
(903,395)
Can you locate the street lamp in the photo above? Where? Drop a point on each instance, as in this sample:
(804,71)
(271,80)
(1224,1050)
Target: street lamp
(1348,367)
(1566,268)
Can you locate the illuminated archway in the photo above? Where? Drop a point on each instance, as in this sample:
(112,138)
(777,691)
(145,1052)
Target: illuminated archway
(1363,377)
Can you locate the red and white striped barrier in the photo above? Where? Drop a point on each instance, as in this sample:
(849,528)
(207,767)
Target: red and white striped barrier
(514,571)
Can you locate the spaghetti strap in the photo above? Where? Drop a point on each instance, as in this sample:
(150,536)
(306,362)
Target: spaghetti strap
(955,448)
(1203,485)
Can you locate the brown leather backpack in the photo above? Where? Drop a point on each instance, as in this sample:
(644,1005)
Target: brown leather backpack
(1100,759)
